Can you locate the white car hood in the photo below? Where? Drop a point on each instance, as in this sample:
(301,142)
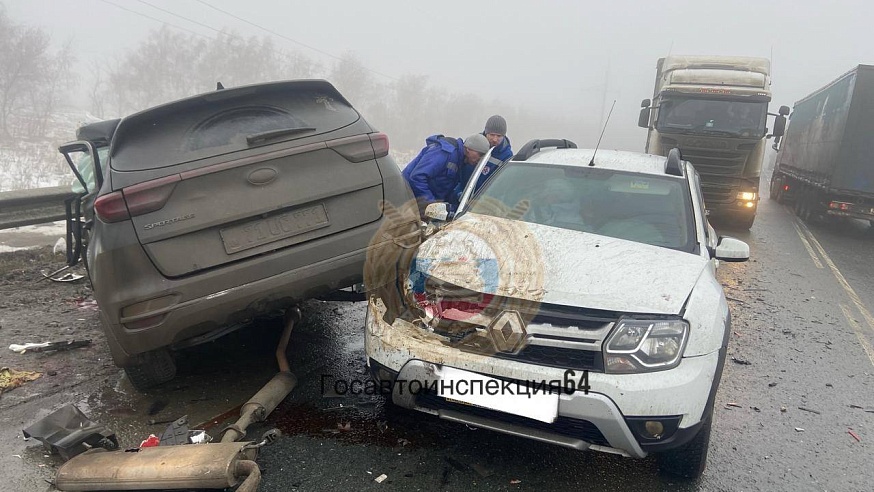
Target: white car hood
(561,266)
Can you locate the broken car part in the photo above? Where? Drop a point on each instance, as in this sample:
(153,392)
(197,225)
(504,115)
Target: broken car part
(68,432)
(210,465)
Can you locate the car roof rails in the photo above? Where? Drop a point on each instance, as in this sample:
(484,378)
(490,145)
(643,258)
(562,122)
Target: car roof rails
(674,163)
(534,146)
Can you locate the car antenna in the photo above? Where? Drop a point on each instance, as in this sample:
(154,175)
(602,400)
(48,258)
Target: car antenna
(592,162)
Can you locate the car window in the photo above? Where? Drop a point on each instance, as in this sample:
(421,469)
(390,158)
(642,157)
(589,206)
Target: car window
(193,129)
(644,208)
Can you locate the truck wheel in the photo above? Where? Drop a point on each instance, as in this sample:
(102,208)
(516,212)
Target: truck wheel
(776,188)
(151,369)
(688,460)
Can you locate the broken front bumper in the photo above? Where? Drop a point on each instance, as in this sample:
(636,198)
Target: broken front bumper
(609,418)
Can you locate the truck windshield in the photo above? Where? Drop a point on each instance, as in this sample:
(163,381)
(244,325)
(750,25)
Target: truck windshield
(712,116)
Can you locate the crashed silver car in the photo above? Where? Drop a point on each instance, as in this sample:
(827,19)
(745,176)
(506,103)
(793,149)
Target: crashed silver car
(211,210)
(571,300)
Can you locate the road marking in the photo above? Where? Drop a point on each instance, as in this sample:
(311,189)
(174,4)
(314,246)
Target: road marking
(859,334)
(841,280)
(807,246)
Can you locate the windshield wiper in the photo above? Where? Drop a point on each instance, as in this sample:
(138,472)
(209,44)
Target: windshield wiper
(260,137)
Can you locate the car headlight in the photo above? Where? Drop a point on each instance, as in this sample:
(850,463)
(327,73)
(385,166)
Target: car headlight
(645,345)
(746,195)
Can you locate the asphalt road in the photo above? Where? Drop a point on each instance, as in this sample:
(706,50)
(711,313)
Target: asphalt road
(799,384)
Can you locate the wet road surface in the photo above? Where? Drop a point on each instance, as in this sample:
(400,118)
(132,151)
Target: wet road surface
(798,380)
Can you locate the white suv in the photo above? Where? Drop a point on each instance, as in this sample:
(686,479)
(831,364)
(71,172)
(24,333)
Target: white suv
(572,300)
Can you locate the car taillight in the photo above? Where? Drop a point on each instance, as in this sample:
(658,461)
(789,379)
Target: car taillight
(380,144)
(150,196)
(135,200)
(111,207)
(361,148)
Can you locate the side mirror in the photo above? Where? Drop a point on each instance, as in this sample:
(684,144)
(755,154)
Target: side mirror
(784,110)
(732,249)
(438,212)
(645,103)
(643,119)
(779,124)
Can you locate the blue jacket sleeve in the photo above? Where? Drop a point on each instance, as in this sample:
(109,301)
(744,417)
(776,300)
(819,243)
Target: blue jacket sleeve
(429,166)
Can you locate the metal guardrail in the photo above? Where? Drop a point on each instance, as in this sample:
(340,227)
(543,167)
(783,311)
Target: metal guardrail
(36,206)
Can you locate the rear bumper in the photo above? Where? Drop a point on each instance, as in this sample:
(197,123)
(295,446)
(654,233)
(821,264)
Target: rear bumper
(205,302)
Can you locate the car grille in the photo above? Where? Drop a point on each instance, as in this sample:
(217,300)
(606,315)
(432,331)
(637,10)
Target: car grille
(565,426)
(558,357)
(557,336)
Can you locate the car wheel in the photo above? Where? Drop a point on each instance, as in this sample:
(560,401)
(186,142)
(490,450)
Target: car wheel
(151,369)
(688,460)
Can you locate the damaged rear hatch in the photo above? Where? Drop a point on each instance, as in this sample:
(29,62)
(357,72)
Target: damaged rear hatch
(235,173)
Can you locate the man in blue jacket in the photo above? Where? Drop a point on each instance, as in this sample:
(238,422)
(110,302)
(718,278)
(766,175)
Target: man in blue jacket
(496,133)
(434,174)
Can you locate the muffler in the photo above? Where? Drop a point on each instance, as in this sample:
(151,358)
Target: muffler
(191,466)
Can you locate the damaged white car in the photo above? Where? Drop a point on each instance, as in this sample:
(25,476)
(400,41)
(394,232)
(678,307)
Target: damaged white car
(571,300)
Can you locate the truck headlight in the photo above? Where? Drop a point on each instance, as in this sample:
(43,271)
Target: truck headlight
(645,345)
(746,195)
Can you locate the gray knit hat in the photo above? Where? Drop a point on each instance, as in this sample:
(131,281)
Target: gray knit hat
(496,124)
(477,142)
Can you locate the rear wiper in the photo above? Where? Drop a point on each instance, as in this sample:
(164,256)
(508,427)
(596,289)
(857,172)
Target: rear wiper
(260,137)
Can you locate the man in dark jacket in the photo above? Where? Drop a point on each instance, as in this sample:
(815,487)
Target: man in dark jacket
(434,174)
(496,133)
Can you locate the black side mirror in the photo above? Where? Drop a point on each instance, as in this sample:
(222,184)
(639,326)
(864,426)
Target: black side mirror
(784,110)
(645,103)
(779,124)
(643,119)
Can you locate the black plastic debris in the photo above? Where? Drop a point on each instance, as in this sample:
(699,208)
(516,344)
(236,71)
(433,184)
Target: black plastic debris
(176,433)
(68,432)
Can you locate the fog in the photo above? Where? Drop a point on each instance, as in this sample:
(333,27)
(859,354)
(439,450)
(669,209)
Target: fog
(554,67)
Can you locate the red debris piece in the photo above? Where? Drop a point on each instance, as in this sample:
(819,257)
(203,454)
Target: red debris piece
(856,437)
(151,441)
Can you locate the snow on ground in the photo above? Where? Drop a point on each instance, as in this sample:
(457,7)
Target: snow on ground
(33,236)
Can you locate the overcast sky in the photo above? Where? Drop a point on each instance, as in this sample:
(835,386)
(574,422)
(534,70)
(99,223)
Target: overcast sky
(550,54)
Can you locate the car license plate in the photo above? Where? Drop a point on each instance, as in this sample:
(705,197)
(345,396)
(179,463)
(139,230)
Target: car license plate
(263,231)
(458,385)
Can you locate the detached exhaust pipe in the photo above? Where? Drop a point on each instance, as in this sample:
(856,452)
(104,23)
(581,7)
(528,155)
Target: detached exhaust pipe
(191,466)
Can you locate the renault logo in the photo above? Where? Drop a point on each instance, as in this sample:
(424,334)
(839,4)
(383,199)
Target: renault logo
(507,331)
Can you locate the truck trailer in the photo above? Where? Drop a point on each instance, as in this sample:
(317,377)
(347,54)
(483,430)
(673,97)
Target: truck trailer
(714,109)
(825,163)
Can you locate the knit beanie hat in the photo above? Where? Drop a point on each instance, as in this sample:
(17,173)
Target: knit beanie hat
(496,124)
(477,142)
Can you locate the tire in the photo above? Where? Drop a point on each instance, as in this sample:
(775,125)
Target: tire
(775,188)
(690,459)
(151,369)
(798,206)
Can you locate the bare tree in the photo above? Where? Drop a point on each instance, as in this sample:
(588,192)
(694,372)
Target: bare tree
(32,78)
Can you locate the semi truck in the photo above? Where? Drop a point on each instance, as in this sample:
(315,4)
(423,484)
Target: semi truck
(825,163)
(714,109)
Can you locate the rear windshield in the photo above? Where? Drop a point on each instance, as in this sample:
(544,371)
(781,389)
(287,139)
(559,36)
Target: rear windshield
(216,124)
(644,208)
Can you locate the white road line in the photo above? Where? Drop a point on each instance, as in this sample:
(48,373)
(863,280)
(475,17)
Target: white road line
(859,334)
(807,246)
(841,280)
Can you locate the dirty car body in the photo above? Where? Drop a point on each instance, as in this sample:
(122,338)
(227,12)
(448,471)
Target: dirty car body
(227,205)
(569,303)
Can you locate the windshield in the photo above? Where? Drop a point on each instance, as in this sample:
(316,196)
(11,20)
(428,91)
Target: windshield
(730,118)
(644,208)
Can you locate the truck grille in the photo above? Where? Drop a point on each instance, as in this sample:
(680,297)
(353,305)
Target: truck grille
(716,163)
